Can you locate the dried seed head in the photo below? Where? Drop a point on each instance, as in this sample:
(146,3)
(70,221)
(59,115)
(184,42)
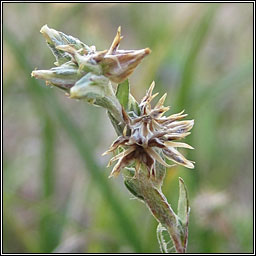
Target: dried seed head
(151,135)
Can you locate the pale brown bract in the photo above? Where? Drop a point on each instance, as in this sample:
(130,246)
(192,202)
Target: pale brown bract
(151,134)
(119,64)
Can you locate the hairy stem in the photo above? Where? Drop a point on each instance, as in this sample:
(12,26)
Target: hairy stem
(143,187)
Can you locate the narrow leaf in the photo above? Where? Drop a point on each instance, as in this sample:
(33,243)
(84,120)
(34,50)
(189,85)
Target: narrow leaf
(161,241)
(130,186)
(133,105)
(164,240)
(122,93)
(183,204)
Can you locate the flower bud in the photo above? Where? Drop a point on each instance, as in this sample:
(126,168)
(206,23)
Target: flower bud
(86,73)
(55,38)
(117,67)
(92,87)
(64,76)
(97,90)
(117,64)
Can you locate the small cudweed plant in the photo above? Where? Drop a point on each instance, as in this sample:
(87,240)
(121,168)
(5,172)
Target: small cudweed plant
(146,137)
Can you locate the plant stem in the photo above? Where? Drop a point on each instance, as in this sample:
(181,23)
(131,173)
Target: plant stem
(142,187)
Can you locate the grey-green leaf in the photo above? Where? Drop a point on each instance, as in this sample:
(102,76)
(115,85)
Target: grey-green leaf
(133,188)
(133,105)
(183,204)
(122,93)
(164,240)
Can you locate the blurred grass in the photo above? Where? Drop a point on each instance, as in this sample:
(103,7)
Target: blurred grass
(50,234)
(49,198)
(223,86)
(48,157)
(189,66)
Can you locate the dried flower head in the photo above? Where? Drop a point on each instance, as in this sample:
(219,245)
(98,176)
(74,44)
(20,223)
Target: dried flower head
(151,134)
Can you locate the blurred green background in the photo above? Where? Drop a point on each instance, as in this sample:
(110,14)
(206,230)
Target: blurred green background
(57,197)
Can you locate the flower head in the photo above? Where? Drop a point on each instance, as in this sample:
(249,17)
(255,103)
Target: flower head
(75,59)
(149,136)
